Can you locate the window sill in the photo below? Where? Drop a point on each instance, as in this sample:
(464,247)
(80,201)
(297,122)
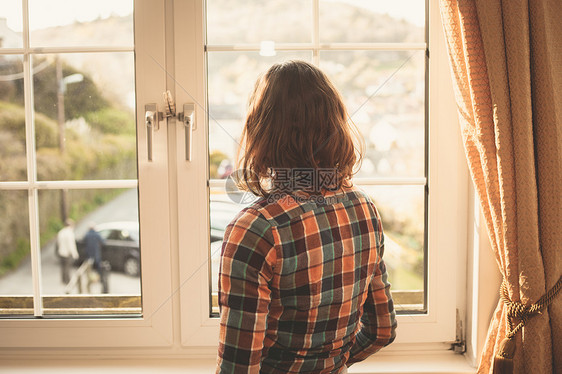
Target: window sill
(395,364)
(419,364)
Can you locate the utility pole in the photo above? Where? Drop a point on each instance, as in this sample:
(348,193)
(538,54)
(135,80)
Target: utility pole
(62,82)
(61,121)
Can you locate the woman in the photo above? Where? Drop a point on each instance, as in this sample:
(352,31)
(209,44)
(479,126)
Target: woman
(302,285)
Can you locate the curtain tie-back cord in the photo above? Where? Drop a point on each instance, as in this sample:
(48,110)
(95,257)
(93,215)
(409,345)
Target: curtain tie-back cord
(516,311)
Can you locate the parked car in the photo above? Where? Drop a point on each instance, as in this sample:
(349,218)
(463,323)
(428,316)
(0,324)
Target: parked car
(121,239)
(120,246)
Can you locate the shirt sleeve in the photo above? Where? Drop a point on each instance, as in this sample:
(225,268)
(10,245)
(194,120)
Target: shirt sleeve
(378,322)
(247,261)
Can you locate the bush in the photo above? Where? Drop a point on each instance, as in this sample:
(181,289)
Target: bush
(111,121)
(13,259)
(12,119)
(79,99)
(215,159)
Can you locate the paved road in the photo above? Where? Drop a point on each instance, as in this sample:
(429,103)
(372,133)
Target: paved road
(18,282)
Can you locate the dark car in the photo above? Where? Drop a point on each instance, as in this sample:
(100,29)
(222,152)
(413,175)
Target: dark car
(120,246)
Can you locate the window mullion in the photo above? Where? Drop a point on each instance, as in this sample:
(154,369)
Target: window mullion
(33,204)
(316,32)
(87,184)
(345,46)
(80,49)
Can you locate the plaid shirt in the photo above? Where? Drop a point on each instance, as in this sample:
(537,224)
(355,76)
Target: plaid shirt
(303,287)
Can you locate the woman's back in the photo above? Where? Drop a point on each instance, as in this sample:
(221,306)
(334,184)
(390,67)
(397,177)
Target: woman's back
(304,265)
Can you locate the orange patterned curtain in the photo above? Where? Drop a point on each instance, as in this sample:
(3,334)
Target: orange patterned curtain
(506,61)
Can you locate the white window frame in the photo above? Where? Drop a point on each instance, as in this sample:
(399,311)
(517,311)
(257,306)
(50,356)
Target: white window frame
(175,281)
(448,200)
(155,327)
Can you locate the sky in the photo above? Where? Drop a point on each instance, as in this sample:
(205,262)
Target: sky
(410,10)
(44,14)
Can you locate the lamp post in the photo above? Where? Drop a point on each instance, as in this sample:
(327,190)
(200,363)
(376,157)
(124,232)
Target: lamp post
(62,82)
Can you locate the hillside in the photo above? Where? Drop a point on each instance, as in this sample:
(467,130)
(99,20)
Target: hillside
(113,73)
(281,21)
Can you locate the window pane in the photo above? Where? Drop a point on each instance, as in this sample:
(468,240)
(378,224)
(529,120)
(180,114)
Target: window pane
(85,125)
(253,21)
(114,215)
(403,216)
(374,21)
(385,95)
(11,24)
(15,262)
(12,119)
(402,212)
(231,78)
(223,208)
(384,92)
(81,23)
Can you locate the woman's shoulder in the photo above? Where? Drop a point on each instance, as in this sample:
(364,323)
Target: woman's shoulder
(250,218)
(280,208)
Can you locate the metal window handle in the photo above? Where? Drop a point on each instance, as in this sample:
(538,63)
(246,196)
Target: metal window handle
(187,118)
(152,118)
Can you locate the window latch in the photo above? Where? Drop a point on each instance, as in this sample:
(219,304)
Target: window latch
(152,118)
(186,117)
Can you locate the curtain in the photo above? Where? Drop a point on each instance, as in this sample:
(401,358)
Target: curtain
(506,61)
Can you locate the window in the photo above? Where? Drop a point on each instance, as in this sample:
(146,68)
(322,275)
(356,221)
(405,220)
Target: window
(182,207)
(69,118)
(416,179)
(80,137)
(380,71)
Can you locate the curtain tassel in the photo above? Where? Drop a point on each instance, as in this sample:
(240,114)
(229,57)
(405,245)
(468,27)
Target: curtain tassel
(503,362)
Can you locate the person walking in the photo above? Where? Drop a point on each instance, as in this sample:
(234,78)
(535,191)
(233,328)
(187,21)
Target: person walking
(93,243)
(66,249)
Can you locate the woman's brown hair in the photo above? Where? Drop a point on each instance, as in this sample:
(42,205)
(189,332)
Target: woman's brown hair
(296,120)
